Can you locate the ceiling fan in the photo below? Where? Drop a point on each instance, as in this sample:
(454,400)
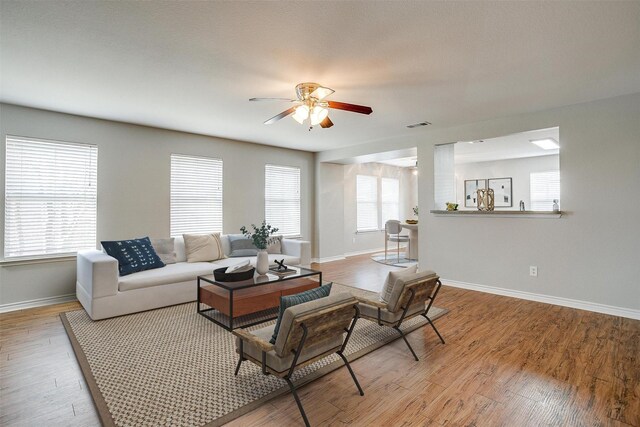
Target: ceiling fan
(311,105)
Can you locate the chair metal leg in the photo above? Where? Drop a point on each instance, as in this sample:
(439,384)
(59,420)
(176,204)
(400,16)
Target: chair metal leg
(434,327)
(295,396)
(407,342)
(355,380)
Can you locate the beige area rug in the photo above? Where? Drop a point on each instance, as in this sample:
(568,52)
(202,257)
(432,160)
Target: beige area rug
(171,366)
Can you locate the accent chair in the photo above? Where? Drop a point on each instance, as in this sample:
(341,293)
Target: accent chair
(308,332)
(411,296)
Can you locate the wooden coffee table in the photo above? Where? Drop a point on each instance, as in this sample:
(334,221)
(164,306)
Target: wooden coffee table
(249,302)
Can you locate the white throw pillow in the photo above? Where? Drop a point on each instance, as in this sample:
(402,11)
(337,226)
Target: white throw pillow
(203,247)
(392,277)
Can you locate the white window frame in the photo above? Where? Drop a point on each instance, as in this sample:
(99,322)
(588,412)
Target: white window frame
(548,189)
(197,197)
(282,207)
(390,199)
(367,203)
(50,198)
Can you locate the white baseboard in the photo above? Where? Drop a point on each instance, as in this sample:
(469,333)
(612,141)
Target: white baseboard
(40,302)
(327,259)
(548,299)
(372,251)
(349,254)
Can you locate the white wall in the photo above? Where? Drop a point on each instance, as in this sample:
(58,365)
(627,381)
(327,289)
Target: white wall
(355,242)
(134,182)
(518,170)
(590,254)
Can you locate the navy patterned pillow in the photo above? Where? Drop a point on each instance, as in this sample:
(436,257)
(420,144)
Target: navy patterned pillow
(291,300)
(133,255)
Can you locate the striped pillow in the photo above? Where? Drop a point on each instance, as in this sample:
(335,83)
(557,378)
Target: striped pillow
(291,300)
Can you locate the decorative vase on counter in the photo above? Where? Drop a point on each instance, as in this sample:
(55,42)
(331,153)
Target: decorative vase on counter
(262,263)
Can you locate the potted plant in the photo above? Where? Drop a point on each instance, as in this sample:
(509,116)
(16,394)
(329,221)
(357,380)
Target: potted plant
(261,238)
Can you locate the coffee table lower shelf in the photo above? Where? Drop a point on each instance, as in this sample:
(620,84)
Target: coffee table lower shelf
(250,306)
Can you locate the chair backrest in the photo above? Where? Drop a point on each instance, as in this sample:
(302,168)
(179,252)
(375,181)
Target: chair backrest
(423,284)
(393,226)
(324,318)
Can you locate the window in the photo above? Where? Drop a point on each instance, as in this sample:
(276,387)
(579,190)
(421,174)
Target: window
(282,199)
(367,202)
(196,195)
(545,188)
(390,199)
(50,197)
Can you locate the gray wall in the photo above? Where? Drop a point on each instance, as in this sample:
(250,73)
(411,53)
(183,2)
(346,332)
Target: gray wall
(590,254)
(373,240)
(134,182)
(519,170)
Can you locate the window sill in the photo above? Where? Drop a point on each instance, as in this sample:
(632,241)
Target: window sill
(11,262)
(499,214)
(368,231)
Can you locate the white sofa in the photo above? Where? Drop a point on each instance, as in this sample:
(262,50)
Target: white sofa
(103,293)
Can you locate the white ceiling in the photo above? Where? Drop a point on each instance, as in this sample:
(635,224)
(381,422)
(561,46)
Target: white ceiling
(506,147)
(192,66)
(404,162)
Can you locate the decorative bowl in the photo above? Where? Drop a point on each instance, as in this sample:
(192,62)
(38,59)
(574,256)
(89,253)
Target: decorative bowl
(220,275)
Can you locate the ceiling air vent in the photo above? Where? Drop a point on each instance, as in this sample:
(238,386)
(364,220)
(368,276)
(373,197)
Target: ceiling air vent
(417,125)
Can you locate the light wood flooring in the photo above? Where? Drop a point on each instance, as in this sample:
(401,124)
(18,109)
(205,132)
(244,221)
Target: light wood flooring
(507,362)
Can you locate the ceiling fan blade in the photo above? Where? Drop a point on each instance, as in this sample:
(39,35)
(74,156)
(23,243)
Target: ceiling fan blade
(326,123)
(273,99)
(361,109)
(282,115)
(321,92)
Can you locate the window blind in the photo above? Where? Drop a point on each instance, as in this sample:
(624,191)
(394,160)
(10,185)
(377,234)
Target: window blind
(50,197)
(444,177)
(282,199)
(196,195)
(544,188)
(390,199)
(367,202)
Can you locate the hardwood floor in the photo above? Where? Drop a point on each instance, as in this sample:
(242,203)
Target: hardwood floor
(507,362)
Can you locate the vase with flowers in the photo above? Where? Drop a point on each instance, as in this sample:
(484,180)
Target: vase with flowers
(261,238)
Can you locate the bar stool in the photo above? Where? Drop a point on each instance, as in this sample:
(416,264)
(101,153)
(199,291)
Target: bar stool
(392,229)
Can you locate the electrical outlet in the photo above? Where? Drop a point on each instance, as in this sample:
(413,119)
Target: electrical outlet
(533,271)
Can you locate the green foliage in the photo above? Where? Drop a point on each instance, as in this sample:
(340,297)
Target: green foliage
(415,211)
(261,235)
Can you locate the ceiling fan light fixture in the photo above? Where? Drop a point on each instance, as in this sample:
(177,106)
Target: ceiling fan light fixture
(301,114)
(318,114)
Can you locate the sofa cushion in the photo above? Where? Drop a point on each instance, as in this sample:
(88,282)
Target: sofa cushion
(291,300)
(392,277)
(181,252)
(172,273)
(241,246)
(133,255)
(288,260)
(275,245)
(165,248)
(203,247)
(282,364)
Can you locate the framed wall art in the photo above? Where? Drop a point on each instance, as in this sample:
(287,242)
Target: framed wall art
(503,197)
(471,188)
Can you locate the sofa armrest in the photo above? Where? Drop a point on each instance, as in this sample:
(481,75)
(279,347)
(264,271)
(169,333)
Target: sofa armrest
(299,249)
(97,273)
